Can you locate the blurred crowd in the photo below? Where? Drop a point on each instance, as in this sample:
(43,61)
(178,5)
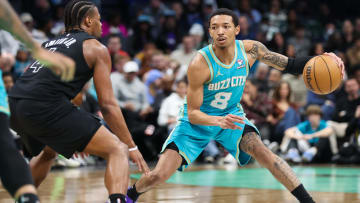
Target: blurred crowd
(151,43)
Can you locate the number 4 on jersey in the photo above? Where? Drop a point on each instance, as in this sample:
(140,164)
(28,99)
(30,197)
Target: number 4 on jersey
(36,66)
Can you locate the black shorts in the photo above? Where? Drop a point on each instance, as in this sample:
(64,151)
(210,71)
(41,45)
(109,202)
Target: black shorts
(57,124)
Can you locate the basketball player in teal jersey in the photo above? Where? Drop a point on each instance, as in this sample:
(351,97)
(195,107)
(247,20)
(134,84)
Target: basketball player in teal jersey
(14,172)
(217,78)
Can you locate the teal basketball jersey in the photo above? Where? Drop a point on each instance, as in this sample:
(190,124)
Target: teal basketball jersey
(4,107)
(222,93)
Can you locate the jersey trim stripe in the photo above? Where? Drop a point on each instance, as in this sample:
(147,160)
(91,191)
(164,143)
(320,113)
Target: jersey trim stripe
(209,65)
(245,57)
(219,62)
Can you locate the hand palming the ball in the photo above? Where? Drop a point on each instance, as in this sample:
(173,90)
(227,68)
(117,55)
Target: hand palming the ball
(338,61)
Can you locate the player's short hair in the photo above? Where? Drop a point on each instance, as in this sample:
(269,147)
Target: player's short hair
(313,109)
(225,11)
(75,11)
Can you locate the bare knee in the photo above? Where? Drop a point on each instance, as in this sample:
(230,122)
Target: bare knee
(119,150)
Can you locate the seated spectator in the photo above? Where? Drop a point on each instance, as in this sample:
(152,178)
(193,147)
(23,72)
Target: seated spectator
(114,47)
(7,62)
(298,88)
(23,60)
(197,32)
(283,115)
(8,81)
(153,84)
(114,25)
(345,108)
(28,21)
(257,106)
(261,76)
(353,53)
(301,43)
(186,52)
(170,107)
(311,138)
(274,80)
(245,32)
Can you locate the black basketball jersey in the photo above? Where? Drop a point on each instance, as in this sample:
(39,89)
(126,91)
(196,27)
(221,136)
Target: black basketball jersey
(40,83)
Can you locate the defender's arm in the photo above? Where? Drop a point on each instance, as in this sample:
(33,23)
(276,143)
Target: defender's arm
(58,63)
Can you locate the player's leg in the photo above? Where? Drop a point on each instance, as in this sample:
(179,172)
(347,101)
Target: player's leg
(252,145)
(41,165)
(14,172)
(109,147)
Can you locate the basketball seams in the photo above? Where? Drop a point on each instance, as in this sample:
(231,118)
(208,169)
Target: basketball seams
(315,75)
(327,67)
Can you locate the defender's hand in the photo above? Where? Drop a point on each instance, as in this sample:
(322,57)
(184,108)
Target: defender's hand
(228,122)
(60,64)
(338,61)
(137,158)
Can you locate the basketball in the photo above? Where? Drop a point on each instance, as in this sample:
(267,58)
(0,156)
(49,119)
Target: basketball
(322,75)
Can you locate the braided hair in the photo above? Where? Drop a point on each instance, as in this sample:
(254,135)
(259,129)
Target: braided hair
(74,13)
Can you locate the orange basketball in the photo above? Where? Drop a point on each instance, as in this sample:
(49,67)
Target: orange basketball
(322,75)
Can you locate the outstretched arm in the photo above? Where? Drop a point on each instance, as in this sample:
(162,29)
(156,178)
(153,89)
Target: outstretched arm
(257,51)
(58,63)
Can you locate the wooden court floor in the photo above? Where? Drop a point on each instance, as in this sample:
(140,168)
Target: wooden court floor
(207,184)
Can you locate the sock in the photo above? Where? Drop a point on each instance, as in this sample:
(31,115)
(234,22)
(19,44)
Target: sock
(117,198)
(132,193)
(28,198)
(302,195)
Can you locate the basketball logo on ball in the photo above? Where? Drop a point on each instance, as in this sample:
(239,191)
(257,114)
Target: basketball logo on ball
(322,75)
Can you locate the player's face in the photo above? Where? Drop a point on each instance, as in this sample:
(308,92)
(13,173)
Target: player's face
(96,24)
(222,30)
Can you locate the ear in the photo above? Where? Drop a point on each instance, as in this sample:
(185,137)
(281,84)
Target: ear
(88,21)
(237,29)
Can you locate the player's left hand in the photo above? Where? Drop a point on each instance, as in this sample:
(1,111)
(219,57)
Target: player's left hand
(338,61)
(137,158)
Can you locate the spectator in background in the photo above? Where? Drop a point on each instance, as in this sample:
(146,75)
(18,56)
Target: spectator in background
(169,36)
(292,22)
(274,80)
(290,51)
(298,88)
(310,137)
(346,107)
(301,44)
(114,46)
(193,12)
(119,62)
(8,44)
(245,31)
(8,81)
(253,16)
(277,19)
(181,23)
(261,76)
(7,61)
(353,53)
(142,34)
(144,57)
(283,115)
(129,90)
(197,33)
(257,105)
(353,127)
(23,60)
(28,21)
(153,83)
(348,34)
(277,44)
(156,10)
(114,25)
(170,107)
(186,52)
(58,26)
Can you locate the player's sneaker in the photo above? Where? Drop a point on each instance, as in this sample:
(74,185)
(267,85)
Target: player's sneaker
(129,200)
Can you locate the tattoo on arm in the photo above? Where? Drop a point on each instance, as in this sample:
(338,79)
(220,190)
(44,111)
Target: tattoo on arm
(10,22)
(260,52)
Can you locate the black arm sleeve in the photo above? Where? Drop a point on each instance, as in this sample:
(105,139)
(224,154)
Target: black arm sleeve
(296,66)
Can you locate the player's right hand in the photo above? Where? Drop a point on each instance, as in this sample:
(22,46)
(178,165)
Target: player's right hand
(61,65)
(228,122)
(137,158)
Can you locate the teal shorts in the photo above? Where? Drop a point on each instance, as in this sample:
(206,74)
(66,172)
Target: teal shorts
(192,139)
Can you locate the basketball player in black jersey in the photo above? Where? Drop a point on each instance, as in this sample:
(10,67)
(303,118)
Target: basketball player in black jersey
(41,111)
(14,172)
